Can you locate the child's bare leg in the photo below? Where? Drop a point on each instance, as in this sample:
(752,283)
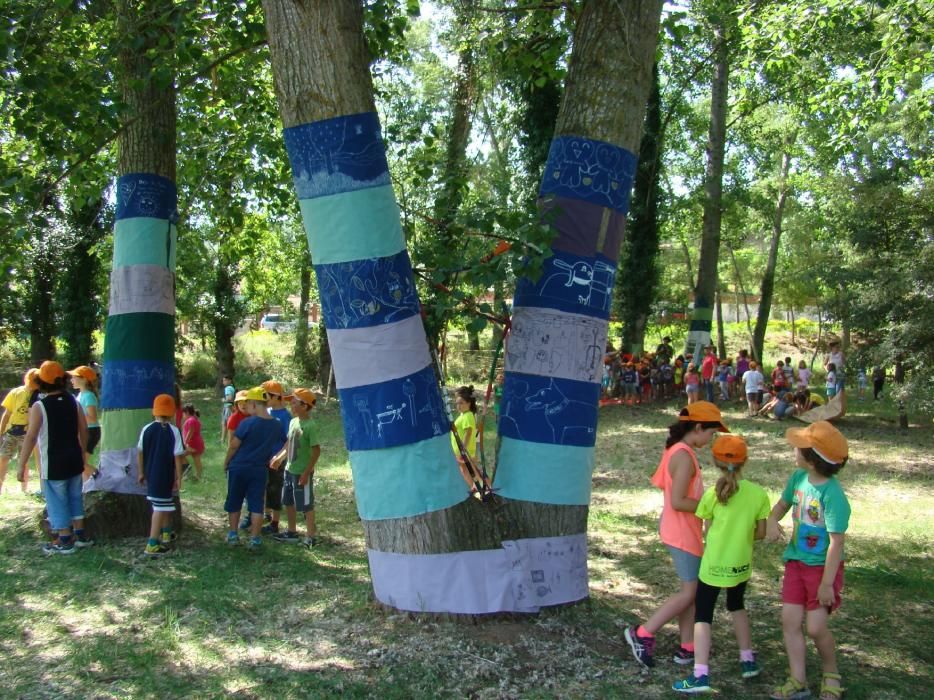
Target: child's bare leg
(741,629)
(291,518)
(310,528)
(823,640)
(233,520)
(155,525)
(792,618)
(4,461)
(256,524)
(197,460)
(675,606)
(686,623)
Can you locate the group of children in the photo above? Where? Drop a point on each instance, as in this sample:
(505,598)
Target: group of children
(710,534)
(270,463)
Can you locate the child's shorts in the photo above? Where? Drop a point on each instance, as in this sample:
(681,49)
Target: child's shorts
(63,500)
(687,565)
(801,581)
(274,489)
(302,497)
(11,445)
(249,483)
(831,392)
(752,397)
(630,389)
(94,437)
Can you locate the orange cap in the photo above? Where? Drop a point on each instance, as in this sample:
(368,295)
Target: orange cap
(163,405)
(85,373)
(703,412)
(305,396)
(730,448)
(273,387)
(823,438)
(50,370)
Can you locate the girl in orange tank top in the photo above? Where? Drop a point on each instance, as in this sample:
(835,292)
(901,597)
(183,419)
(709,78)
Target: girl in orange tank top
(679,476)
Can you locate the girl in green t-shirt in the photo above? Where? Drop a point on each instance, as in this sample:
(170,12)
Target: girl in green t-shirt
(735,511)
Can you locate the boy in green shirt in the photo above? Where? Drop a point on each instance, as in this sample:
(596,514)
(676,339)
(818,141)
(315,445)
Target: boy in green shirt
(302,450)
(814,555)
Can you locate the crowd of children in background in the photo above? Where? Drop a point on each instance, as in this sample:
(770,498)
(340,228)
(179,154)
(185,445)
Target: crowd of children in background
(787,389)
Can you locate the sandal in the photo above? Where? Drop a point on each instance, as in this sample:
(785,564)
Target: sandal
(792,690)
(831,692)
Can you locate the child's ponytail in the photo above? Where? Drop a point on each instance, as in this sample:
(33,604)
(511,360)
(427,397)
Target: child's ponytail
(728,483)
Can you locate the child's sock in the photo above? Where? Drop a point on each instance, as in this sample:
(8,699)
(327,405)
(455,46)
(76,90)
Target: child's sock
(642,632)
(166,530)
(688,647)
(701,670)
(64,540)
(747,655)
(79,533)
(152,542)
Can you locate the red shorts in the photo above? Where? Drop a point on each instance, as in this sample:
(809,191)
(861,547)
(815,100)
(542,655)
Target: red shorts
(801,581)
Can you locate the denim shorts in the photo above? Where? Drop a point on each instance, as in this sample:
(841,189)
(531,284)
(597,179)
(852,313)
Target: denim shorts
(63,500)
(249,483)
(687,565)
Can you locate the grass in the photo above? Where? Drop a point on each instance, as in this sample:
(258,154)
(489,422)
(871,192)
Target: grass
(212,621)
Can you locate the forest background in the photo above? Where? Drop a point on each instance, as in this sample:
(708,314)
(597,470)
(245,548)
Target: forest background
(826,210)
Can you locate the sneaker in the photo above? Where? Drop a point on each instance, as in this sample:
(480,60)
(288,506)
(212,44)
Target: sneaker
(286,537)
(683,656)
(233,538)
(309,542)
(156,550)
(750,669)
(692,684)
(792,690)
(270,529)
(82,542)
(169,537)
(642,647)
(57,547)
(255,543)
(245,524)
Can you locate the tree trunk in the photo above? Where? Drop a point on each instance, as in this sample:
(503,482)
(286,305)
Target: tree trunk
(302,348)
(721,336)
(79,292)
(410,497)
(794,327)
(139,346)
(699,333)
(224,319)
(637,280)
(768,277)
(900,382)
(41,310)
(742,288)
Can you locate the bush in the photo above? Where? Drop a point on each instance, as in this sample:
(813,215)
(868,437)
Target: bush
(198,371)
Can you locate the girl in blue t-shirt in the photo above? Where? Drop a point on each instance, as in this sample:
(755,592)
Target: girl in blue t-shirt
(84,379)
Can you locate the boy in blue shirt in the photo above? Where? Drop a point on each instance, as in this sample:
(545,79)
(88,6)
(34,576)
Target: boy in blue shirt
(159,456)
(246,464)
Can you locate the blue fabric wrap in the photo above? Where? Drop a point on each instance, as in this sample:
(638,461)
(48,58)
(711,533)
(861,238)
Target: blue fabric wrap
(369,292)
(572,283)
(146,195)
(393,413)
(134,383)
(593,171)
(337,155)
(549,410)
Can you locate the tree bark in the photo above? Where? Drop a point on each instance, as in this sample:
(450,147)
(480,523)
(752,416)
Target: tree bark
(768,277)
(41,309)
(742,289)
(721,336)
(699,334)
(139,345)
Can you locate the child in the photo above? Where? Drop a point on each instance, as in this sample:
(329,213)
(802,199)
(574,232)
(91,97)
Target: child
(678,475)
(14,423)
(277,398)
(752,380)
(723,376)
(814,555)
(778,377)
(227,402)
(84,379)
(630,383)
(239,414)
(465,425)
(736,511)
(302,450)
(57,425)
(666,377)
(862,383)
(679,374)
(194,443)
(831,380)
(692,383)
(246,464)
(159,456)
(804,375)
(789,373)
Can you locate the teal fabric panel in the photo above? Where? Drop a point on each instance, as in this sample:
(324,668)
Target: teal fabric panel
(353,225)
(543,473)
(142,336)
(399,482)
(142,241)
